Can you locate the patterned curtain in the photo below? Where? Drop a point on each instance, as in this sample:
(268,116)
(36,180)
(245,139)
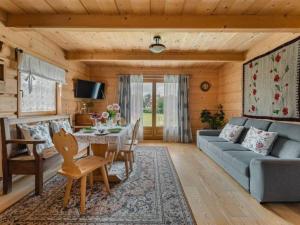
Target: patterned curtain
(124,97)
(184,124)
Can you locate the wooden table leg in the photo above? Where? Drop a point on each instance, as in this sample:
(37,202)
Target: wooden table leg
(82,194)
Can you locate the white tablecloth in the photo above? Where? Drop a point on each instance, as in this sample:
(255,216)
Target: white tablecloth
(112,138)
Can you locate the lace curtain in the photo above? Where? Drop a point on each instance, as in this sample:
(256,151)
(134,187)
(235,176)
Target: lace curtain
(38,83)
(170,133)
(136,102)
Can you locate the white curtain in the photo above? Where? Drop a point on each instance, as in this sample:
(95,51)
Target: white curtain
(171,108)
(33,66)
(136,102)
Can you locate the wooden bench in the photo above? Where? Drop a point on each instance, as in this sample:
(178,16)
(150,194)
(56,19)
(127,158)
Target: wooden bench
(24,164)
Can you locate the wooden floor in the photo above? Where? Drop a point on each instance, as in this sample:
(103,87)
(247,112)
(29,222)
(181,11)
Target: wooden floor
(215,198)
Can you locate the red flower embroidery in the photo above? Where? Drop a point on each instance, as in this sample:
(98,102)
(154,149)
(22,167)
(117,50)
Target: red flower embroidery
(259,145)
(277,58)
(276,78)
(254,77)
(250,65)
(254,91)
(285,111)
(253,108)
(277,96)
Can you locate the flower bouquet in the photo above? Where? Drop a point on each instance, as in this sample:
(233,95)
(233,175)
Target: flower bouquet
(112,115)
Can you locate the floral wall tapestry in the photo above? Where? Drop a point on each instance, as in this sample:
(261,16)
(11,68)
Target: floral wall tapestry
(271,84)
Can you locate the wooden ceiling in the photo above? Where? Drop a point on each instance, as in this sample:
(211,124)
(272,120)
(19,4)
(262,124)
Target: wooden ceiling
(153,7)
(174,41)
(76,40)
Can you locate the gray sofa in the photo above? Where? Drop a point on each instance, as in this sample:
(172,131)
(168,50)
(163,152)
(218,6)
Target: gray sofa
(272,178)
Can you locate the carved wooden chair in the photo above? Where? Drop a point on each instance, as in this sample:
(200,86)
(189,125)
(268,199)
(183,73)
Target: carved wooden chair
(67,146)
(128,150)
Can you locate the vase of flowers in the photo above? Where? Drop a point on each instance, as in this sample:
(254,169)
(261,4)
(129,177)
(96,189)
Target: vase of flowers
(109,117)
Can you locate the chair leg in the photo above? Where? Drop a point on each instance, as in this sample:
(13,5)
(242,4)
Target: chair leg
(7,183)
(39,182)
(82,194)
(105,178)
(130,160)
(91,179)
(126,164)
(68,191)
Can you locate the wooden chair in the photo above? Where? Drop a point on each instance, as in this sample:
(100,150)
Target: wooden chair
(128,151)
(24,164)
(67,146)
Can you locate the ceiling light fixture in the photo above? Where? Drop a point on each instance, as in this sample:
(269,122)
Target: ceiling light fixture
(157,47)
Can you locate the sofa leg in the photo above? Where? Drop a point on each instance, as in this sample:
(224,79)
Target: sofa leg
(7,183)
(39,183)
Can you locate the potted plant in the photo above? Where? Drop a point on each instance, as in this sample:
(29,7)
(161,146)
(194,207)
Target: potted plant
(214,121)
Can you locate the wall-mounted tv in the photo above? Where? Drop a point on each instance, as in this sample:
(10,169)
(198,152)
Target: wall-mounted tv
(89,89)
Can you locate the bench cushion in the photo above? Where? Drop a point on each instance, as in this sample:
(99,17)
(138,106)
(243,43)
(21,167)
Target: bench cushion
(47,153)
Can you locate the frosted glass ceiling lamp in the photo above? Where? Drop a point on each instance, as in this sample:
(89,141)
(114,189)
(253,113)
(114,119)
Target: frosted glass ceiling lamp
(157,47)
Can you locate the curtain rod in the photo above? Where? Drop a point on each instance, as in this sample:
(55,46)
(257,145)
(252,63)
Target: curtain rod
(19,50)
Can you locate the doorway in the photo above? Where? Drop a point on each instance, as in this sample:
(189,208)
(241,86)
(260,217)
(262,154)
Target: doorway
(153,108)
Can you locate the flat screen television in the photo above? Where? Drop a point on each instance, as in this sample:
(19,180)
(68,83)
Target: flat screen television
(89,89)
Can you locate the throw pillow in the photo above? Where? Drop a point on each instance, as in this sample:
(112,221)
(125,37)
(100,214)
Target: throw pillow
(259,141)
(231,132)
(38,131)
(56,125)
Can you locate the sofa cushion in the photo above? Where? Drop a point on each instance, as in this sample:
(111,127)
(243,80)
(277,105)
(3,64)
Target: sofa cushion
(228,146)
(240,121)
(286,130)
(286,148)
(231,132)
(256,123)
(240,160)
(211,138)
(259,141)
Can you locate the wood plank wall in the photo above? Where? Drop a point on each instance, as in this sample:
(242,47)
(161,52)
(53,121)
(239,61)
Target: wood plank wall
(39,46)
(198,99)
(230,75)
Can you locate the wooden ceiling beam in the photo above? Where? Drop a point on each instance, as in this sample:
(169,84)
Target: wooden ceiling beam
(228,23)
(165,56)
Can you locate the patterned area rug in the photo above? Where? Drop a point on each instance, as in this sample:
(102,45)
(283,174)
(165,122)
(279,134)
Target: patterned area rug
(152,195)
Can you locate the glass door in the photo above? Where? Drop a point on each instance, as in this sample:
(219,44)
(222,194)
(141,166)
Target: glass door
(153,111)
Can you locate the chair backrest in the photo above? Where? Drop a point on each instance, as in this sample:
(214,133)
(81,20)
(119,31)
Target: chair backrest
(66,144)
(135,132)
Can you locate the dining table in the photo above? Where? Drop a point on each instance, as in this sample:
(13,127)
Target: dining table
(105,135)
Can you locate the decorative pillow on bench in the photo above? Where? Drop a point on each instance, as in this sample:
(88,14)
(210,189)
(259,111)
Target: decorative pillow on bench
(39,131)
(231,132)
(56,125)
(259,141)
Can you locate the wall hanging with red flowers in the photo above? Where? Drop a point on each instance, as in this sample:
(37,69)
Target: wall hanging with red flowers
(271,84)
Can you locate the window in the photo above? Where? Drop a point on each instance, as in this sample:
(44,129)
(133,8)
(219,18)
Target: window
(38,82)
(38,94)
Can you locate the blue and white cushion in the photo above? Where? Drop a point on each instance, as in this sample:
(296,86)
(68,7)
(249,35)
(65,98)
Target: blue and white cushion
(56,125)
(259,141)
(39,131)
(231,132)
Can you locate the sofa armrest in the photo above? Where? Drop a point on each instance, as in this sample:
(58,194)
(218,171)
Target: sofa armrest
(209,132)
(275,180)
